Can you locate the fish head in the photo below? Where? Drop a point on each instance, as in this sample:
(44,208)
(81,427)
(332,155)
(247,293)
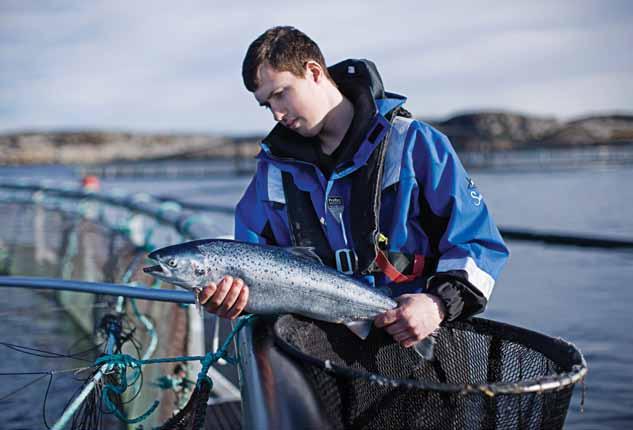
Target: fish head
(181,264)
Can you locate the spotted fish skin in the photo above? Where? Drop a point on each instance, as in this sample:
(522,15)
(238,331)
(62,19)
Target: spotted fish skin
(279,281)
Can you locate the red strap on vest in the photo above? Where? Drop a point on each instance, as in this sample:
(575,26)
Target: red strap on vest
(392,273)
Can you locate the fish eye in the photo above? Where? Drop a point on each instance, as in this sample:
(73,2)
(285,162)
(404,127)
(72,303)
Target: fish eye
(172,262)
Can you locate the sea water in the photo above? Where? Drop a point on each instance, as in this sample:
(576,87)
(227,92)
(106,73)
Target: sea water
(583,295)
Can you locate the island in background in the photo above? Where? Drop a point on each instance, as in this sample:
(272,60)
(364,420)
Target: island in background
(480,131)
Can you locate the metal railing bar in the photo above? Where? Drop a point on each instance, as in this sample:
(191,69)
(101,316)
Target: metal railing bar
(143,293)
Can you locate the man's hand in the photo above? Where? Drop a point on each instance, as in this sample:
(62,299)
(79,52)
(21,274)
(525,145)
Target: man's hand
(226,299)
(417,316)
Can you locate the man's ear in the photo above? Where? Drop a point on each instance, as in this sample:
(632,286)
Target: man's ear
(314,72)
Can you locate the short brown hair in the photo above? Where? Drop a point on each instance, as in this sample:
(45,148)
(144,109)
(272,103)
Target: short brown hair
(286,49)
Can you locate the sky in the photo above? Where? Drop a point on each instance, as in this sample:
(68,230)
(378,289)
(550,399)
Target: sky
(165,66)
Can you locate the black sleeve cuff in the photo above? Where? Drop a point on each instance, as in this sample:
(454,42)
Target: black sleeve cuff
(461,299)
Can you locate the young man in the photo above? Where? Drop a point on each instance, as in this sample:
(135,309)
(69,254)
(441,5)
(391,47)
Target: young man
(378,195)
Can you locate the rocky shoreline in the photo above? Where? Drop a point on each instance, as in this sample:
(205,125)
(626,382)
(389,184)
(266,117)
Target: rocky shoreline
(480,131)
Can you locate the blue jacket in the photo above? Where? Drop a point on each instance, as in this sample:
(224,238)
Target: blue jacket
(428,203)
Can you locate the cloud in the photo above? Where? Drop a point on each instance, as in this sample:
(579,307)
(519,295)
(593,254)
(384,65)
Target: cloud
(158,65)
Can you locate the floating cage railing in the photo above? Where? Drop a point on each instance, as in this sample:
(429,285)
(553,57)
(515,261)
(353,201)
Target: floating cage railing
(59,221)
(189,224)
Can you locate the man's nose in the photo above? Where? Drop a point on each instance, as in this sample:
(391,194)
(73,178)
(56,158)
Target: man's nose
(278,115)
(277,110)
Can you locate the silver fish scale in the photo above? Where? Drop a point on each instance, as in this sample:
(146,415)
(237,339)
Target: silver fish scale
(281,282)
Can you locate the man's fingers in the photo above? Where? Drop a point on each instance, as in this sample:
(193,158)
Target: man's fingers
(227,298)
(398,327)
(217,298)
(406,332)
(207,292)
(389,317)
(409,342)
(231,297)
(239,305)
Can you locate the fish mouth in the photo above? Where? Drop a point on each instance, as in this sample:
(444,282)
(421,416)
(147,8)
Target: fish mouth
(154,270)
(157,270)
(164,274)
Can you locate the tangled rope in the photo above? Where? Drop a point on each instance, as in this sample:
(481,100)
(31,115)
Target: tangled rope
(119,363)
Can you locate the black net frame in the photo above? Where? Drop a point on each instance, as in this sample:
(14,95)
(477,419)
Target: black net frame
(484,375)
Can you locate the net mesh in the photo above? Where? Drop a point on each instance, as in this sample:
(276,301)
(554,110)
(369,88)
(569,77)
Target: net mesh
(484,375)
(35,241)
(191,417)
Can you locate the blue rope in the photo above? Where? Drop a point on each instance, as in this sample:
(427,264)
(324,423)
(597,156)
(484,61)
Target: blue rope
(123,361)
(110,407)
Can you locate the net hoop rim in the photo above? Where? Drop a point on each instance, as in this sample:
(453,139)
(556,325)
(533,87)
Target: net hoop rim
(556,382)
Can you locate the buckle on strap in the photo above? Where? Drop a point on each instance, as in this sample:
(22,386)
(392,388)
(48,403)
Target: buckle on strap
(382,261)
(346,261)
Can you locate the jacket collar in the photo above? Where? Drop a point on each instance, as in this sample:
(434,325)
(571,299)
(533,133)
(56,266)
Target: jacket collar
(360,81)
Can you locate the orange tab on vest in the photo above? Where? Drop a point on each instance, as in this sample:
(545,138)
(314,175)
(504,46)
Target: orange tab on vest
(392,273)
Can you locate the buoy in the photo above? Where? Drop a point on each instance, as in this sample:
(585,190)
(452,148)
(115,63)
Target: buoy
(90,183)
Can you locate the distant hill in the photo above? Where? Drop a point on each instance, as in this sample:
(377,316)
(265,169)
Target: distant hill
(478,131)
(491,131)
(93,147)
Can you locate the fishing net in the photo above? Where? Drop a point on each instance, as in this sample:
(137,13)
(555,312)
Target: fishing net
(49,241)
(484,375)
(192,416)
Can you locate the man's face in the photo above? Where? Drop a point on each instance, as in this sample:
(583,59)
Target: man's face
(299,103)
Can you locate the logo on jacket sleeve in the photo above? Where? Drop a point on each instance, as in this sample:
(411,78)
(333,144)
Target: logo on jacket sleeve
(475,195)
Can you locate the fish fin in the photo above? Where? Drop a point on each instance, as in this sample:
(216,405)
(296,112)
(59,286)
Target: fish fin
(360,328)
(425,347)
(304,252)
